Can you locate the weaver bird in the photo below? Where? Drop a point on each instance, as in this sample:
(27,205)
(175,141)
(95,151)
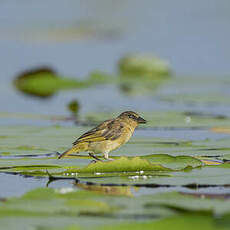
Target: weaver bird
(107,136)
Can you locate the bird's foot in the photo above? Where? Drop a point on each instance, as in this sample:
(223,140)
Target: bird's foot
(93,162)
(96,158)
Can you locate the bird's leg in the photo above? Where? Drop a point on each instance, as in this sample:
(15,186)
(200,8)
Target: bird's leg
(106,156)
(96,158)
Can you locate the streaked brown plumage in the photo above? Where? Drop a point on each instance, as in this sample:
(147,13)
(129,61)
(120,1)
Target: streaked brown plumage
(107,136)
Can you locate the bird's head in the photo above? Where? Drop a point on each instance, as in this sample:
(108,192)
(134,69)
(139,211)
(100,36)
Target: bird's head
(132,118)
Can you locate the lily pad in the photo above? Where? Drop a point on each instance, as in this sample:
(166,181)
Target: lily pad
(44,82)
(123,166)
(176,163)
(70,208)
(182,222)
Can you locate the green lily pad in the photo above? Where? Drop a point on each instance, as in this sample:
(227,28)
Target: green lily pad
(123,166)
(176,163)
(182,222)
(66,208)
(45,82)
(42,203)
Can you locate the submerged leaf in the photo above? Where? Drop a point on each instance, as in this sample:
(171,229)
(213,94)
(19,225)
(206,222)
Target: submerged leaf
(74,107)
(141,74)
(143,66)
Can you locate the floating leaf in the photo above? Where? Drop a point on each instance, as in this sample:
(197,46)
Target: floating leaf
(122,164)
(45,201)
(185,202)
(181,222)
(44,82)
(62,208)
(172,162)
(144,164)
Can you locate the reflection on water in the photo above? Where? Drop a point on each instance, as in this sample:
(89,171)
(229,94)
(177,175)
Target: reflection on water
(106,190)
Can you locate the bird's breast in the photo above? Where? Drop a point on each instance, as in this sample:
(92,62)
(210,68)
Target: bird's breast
(126,135)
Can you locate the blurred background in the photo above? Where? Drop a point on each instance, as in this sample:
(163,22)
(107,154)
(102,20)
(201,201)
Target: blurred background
(75,38)
(79,62)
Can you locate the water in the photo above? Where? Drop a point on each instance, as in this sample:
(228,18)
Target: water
(15,185)
(193,37)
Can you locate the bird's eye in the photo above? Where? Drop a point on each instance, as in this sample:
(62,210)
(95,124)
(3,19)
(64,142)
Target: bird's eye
(131,116)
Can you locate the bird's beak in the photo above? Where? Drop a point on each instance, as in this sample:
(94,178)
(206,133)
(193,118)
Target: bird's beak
(141,120)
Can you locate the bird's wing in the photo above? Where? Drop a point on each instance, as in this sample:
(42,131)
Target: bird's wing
(108,130)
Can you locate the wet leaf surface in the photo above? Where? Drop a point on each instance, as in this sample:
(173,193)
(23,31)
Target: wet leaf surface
(183,222)
(71,207)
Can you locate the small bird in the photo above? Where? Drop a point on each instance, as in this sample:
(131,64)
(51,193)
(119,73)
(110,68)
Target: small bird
(107,136)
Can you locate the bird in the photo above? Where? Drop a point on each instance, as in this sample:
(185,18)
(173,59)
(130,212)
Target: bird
(107,136)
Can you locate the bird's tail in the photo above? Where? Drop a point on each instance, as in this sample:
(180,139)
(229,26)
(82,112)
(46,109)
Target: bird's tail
(75,149)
